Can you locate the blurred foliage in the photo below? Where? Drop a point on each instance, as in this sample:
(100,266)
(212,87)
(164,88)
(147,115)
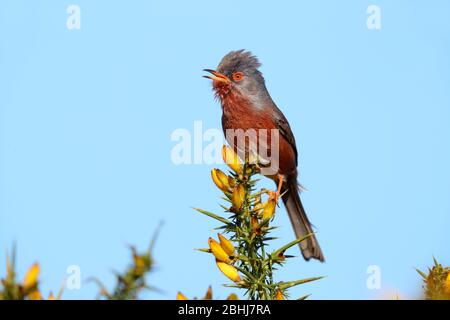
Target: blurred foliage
(28,288)
(243,257)
(436,284)
(131,282)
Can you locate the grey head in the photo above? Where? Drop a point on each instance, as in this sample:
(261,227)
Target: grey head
(238,71)
(240,61)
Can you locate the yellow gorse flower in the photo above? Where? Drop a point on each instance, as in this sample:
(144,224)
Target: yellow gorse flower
(181,296)
(229,271)
(233,296)
(221,180)
(231,159)
(208,294)
(226,245)
(269,208)
(35,295)
(238,196)
(279,295)
(447,284)
(139,262)
(218,251)
(31,277)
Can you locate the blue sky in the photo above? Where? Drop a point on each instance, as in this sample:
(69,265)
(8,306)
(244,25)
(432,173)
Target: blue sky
(86,118)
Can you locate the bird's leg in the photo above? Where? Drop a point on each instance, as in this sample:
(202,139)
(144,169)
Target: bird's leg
(280,183)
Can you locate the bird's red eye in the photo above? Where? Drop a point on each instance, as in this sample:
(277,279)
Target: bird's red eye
(238,76)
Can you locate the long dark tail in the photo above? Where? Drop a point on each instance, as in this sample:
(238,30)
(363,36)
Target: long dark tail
(309,247)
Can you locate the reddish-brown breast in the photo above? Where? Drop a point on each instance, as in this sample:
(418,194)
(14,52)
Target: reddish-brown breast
(239,113)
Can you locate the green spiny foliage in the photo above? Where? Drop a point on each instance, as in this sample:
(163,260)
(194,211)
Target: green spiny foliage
(249,229)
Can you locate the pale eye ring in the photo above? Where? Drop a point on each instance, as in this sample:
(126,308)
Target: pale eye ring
(238,76)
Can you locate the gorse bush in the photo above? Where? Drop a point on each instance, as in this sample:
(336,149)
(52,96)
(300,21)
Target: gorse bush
(131,282)
(27,289)
(241,249)
(436,284)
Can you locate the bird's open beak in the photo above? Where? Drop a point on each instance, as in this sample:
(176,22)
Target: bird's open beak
(216,76)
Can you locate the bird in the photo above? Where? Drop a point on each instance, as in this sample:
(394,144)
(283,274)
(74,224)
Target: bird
(246,104)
